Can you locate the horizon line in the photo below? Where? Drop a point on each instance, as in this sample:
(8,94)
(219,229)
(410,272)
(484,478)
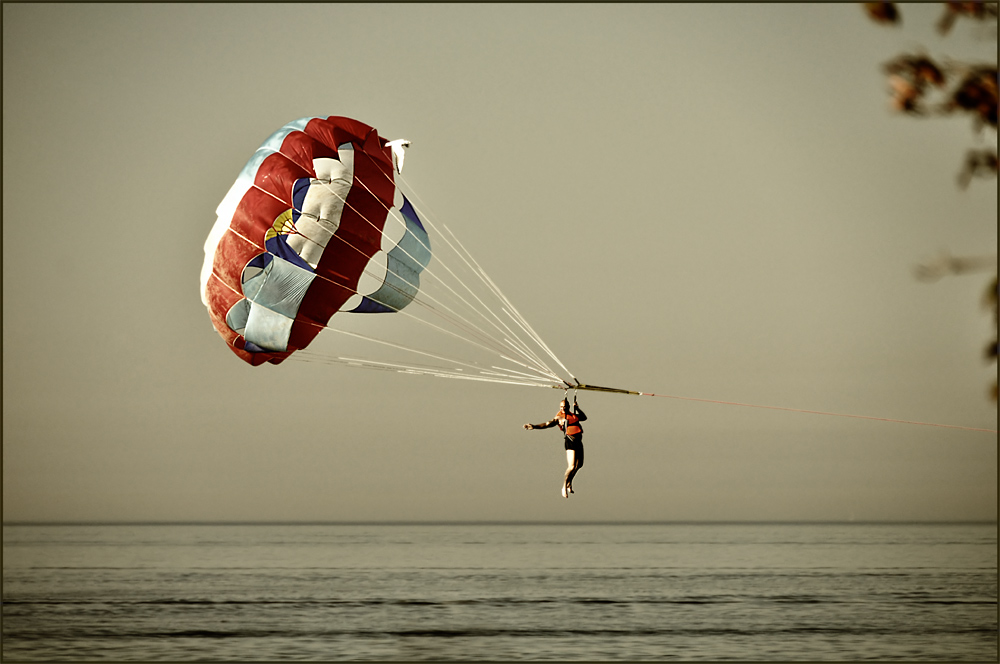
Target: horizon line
(494,522)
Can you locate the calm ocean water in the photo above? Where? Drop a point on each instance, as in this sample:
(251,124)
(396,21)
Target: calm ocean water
(500,592)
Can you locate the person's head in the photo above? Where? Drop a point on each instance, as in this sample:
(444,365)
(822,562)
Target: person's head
(564,406)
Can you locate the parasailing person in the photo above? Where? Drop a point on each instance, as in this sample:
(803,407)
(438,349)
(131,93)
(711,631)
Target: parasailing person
(568,420)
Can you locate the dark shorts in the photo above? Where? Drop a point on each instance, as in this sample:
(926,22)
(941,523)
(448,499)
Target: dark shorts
(574,442)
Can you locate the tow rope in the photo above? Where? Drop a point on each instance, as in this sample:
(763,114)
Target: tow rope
(615,390)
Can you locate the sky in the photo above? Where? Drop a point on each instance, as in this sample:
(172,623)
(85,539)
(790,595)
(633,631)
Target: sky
(706,201)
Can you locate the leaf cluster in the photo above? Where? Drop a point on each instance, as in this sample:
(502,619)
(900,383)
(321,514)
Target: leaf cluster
(919,85)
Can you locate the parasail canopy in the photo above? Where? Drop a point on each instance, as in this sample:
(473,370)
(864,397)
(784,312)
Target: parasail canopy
(302,236)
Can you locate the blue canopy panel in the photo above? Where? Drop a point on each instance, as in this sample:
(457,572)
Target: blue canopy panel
(274,289)
(404,263)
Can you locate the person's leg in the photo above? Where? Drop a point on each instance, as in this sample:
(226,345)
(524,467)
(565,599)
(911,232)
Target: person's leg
(570,471)
(577,465)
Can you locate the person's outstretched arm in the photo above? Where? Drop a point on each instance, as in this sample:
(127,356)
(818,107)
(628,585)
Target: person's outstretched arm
(543,425)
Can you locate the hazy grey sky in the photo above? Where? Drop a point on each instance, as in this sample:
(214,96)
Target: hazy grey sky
(710,201)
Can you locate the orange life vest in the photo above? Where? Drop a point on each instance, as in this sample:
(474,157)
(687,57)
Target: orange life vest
(570,424)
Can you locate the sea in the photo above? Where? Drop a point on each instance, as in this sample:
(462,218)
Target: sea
(500,592)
